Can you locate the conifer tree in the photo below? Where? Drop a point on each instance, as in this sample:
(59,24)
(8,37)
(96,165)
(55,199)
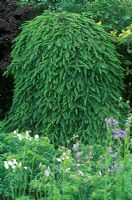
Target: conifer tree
(67,78)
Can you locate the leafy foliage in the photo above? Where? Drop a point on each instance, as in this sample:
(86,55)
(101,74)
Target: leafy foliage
(76,6)
(113,14)
(123,42)
(31,168)
(67,78)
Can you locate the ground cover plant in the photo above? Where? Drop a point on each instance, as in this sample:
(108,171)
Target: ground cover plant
(31,168)
(60,86)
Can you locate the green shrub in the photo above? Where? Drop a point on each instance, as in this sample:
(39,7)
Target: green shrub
(67,78)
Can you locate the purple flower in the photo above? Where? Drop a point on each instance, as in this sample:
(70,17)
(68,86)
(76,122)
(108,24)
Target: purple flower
(115,134)
(79,153)
(75,145)
(111,122)
(114,122)
(118,133)
(122,134)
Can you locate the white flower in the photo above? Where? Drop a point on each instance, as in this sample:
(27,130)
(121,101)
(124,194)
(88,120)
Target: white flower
(68,169)
(47,172)
(6,165)
(25,167)
(36,137)
(80,172)
(27,133)
(13,166)
(129,120)
(69,151)
(14,161)
(19,136)
(59,159)
(15,132)
(120,99)
(10,163)
(100,173)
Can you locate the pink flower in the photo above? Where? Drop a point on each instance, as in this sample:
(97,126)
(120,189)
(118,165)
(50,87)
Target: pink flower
(79,153)
(75,145)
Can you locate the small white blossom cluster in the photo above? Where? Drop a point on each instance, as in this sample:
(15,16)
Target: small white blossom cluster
(36,137)
(80,173)
(22,136)
(65,156)
(67,169)
(25,135)
(12,164)
(47,172)
(129,120)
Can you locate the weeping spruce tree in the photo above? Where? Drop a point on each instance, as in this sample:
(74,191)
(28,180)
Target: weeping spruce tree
(67,78)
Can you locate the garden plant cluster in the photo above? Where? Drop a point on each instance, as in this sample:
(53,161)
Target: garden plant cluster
(66,132)
(32,168)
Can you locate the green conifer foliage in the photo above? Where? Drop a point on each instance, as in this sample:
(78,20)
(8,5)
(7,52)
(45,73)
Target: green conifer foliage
(67,78)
